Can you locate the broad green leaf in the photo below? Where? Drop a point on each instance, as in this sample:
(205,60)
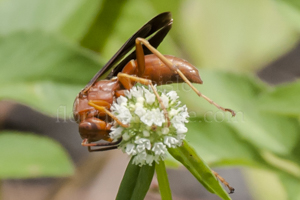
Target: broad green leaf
(77,24)
(136,182)
(293,3)
(134,17)
(25,155)
(270,132)
(235,35)
(290,12)
(43,71)
(189,158)
(129,181)
(282,99)
(291,185)
(219,144)
(163,182)
(103,26)
(143,182)
(69,17)
(36,56)
(264,184)
(49,97)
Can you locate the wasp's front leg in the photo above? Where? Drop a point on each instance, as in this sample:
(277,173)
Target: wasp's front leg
(101,108)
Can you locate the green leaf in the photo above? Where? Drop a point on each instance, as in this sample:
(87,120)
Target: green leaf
(77,24)
(189,158)
(231,35)
(282,99)
(25,155)
(219,144)
(136,182)
(101,29)
(37,56)
(291,185)
(163,182)
(293,3)
(143,182)
(52,98)
(265,131)
(43,71)
(290,11)
(133,17)
(129,181)
(69,17)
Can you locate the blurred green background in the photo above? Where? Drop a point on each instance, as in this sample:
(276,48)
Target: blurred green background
(49,50)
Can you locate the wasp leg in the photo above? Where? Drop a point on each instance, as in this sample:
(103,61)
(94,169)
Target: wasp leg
(168,63)
(231,189)
(103,146)
(124,78)
(103,109)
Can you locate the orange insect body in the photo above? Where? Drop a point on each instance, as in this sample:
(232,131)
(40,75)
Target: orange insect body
(95,125)
(145,65)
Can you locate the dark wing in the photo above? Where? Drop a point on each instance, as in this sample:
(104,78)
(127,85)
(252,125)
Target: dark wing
(159,26)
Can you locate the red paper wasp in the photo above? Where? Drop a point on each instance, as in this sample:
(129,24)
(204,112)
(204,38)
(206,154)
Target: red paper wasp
(145,65)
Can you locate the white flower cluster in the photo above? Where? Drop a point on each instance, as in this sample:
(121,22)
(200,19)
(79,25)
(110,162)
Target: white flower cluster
(148,136)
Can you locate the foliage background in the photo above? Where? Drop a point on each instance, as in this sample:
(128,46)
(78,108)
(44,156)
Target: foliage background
(50,49)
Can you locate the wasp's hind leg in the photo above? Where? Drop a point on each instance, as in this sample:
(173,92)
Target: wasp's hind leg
(139,50)
(231,189)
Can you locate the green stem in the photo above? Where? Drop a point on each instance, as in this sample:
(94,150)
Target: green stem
(163,182)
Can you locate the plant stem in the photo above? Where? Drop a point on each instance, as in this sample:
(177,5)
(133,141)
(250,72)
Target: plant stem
(162,177)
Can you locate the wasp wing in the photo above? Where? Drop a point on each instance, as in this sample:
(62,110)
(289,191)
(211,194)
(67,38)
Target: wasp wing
(159,26)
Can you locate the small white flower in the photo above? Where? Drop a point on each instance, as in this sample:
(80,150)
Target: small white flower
(180,137)
(150,97)
(140,100)
(140,111)
(159,148)
(178,119)
(128,94)
(146,133)
(116,132)
(171,141)
(130,149)
(140,158)
(173,112)
(125,136)
(138,104)
(149,159)
(183,111)
(122,101)
(122,113)
(173,96)
(136,92)
(165,100)
(181,129)
(143,144)
(158,117)
(147,118)
(165,130)
(131,106)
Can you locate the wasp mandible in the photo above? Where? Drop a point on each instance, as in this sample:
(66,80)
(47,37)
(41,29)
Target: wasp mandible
(146,66)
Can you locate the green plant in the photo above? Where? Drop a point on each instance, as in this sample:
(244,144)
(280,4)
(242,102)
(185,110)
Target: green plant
(46,58)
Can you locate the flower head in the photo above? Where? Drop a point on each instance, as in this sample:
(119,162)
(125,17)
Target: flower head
(148,135)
